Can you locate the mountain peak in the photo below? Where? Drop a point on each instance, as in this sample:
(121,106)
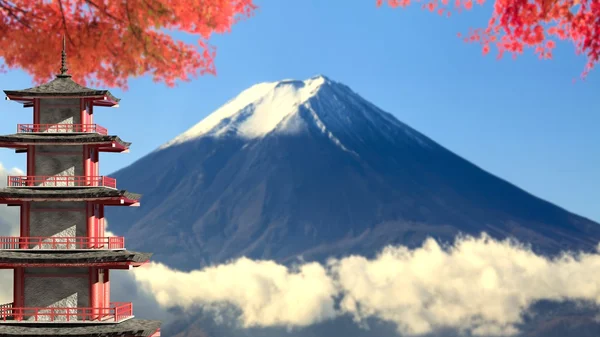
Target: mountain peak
(275,108)
(256,111)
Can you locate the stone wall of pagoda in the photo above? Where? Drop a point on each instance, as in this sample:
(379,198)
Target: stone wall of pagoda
(63,219)
(60,111)
(58,161)
(57,287)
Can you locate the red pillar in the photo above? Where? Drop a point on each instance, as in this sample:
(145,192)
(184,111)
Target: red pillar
(97,243)
(90,111)
(100,293)
(87,166)
(93,274)
(91,222)
(106,291)
(18,291)
(94,161)
(30,163)
(24,223)
(101,226)
(36,111)
(82,115)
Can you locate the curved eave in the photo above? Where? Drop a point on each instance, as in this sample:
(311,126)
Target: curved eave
(110,265)
(104,195)
(103,143)
(105,259)
(131,327)
(104,201)
(116,148)
(104,99)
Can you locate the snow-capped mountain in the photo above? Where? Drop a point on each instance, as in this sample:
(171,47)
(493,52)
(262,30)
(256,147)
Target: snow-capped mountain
(310,168)
(274,108)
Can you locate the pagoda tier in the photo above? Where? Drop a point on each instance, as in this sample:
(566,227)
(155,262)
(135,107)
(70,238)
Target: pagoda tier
(92,135)
(130,328)
(104,143)
(62,87)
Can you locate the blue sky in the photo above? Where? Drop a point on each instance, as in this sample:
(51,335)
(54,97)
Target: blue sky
(523,120)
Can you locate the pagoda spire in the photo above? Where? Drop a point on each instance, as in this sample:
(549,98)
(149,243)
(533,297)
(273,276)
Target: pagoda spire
(63,60)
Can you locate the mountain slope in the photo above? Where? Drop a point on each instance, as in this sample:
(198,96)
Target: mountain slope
(309,168)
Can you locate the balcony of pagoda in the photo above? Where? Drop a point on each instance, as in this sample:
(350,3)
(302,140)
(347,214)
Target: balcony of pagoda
(61,181)
(61,128)
(55,243)
(115,313)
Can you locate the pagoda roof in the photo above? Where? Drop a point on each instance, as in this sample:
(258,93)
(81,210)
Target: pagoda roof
(42,193)
(131,327)
(61,138)
(34,257)
(61,86)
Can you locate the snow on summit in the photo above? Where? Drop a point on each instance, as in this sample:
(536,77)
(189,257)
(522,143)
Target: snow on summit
(273,107)
(256,111)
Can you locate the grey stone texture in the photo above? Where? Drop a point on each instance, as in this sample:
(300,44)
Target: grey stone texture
(66,219)
(60,111)
(57,292)
(67,163)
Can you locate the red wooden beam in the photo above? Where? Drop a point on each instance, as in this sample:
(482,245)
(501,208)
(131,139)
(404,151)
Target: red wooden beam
(11,145)
(26,275)
(57,153)
(81,209)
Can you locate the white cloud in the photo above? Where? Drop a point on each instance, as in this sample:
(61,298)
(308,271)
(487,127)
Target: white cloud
(478,285)
(267,293)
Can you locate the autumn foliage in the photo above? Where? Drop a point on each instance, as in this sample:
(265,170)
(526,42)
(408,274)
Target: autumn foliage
(108,41)
(537,24)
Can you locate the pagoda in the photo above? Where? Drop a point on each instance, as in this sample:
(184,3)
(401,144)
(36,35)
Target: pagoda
(62,257)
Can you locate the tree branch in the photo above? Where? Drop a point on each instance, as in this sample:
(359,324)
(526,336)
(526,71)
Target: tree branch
(9,8)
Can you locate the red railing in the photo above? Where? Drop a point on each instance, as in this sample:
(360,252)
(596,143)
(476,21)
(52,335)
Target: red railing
(55,242)
(61,128)
(61,181)
(116,312)
(6,309)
